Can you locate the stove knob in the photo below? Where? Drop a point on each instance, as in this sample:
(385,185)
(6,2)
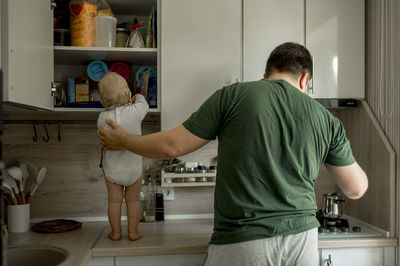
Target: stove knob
(333,229)
(344,229)
(356,229)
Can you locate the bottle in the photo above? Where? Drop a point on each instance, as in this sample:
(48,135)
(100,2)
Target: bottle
(149,201)
(159,203)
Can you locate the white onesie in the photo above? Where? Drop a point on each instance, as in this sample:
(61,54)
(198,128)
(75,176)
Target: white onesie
(124,167)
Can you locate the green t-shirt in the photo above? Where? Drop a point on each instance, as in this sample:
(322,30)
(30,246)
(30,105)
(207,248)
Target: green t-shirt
(272,140)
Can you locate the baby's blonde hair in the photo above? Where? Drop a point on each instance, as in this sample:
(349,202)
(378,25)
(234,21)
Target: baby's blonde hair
(113,89)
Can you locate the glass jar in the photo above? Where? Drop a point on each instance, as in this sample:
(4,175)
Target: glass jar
(121,37)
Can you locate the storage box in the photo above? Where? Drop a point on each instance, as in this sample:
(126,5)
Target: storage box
(81,89)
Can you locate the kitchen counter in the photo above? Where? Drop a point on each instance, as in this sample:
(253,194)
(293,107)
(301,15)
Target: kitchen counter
(77,243)
(170,237)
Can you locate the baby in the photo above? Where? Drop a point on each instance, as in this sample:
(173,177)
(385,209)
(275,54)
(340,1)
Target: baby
(122,168)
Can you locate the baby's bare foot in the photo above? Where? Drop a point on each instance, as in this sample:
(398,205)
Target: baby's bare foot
(133,237)
(114,236)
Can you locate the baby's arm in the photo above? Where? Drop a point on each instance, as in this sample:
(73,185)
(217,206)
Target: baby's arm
(141,105)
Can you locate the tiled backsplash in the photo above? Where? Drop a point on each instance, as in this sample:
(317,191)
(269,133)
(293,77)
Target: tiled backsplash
(74,186)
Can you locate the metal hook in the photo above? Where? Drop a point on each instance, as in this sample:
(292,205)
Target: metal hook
(47,138)
(59,131)
(35,138)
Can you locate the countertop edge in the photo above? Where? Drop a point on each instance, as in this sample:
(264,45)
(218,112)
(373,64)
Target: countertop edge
(357,242)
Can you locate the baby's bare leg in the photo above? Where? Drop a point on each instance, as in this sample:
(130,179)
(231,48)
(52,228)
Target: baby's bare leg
(132,199)
(115,192)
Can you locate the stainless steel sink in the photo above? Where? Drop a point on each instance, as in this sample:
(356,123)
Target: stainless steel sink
(33,255)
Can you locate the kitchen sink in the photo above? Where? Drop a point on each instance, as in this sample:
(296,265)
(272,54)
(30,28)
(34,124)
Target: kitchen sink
(33,255)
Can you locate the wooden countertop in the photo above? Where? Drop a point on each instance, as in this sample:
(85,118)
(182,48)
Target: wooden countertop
(170,237)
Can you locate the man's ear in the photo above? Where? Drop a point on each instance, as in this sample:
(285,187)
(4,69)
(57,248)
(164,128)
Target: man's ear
(130,97)
(303,82)
(265,75)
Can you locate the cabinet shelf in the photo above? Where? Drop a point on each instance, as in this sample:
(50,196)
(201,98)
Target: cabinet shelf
(74,55)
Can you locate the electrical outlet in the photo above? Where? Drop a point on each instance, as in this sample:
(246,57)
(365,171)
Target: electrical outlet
(168,193)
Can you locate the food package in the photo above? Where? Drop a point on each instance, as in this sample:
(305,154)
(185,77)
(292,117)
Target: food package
(82,89)
(83,24)
(103,8)
(135,40)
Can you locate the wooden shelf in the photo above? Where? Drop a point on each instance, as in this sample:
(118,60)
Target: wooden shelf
(172,176)
(75,55)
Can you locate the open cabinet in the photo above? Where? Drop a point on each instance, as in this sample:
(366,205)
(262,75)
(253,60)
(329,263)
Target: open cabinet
(32,63)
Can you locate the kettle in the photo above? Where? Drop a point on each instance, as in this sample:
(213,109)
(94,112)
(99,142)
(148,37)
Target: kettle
(331,207)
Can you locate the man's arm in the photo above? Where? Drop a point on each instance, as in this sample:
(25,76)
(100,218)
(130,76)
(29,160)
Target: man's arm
(350,179)
(160,145)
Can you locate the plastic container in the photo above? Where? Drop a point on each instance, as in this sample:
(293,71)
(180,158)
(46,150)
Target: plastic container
(18,218)
(96,70)
(105,31)
(121,68)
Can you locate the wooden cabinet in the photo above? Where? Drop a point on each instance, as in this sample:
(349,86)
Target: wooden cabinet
(31,62)
(266,24)
(335,36)
(200,53)
(379,256)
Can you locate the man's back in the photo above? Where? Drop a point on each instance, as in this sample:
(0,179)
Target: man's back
(272,142)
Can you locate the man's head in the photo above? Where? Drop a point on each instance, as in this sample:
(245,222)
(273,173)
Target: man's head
(114,90)
(291,59)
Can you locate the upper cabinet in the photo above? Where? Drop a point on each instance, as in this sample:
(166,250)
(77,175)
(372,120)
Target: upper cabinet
(201,48)
(266,24)
(27,52)
(31,62)
(335,36)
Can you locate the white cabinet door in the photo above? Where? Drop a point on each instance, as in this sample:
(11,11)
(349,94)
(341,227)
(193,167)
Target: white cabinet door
(101,261)
(200,53)
(156,260)
(27,55)
(266,24)
(355,257)
(335,37)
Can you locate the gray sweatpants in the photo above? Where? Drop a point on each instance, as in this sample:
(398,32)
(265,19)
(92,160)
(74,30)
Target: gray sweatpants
(298,249)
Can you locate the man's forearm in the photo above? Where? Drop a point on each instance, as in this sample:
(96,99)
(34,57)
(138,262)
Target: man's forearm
(155,146)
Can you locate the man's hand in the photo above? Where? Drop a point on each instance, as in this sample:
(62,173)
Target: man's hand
(114,139)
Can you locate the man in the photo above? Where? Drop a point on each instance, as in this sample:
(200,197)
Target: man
(272,140)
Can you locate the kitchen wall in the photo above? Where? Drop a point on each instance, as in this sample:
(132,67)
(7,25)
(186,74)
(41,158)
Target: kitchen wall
(383,68)
(74,186)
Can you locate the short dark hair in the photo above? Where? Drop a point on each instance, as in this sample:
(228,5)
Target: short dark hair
(290,58)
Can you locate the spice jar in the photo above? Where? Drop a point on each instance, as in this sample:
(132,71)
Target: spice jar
(121,37)
(201,169)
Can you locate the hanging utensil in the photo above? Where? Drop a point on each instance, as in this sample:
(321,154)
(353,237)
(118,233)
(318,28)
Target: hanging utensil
(16,173)
(40,177)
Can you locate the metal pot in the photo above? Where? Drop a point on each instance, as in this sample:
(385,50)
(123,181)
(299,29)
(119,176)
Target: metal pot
(331,207)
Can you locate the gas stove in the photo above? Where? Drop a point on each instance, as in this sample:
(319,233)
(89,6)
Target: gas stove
(346,227)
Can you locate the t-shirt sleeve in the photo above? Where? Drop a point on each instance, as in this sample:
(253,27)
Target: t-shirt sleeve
(207,120)
(340,153)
